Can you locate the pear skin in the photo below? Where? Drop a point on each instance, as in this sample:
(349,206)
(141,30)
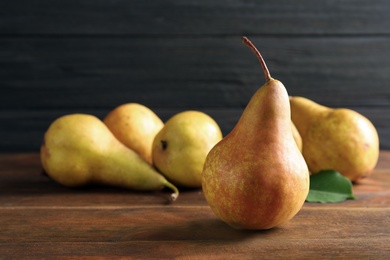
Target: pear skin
(297,136)
(335,139)
(79,149)
(256,177)
(181,147)
(135,125)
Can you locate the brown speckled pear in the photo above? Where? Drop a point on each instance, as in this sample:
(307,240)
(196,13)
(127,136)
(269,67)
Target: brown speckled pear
(256,177)
(79,149)
(335,139)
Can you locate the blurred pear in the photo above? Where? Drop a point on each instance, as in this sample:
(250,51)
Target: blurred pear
(135,125)
(79,149)
(335,139)
(181,147)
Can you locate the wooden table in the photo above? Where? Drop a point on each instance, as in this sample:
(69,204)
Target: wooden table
(39,218)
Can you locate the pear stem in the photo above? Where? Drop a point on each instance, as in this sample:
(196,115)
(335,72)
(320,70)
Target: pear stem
(248,43)
(175,193)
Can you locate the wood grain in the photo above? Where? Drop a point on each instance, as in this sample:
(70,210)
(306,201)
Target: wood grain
(188,73)
(169,76)
(61,57)
(194,17)
(41,219)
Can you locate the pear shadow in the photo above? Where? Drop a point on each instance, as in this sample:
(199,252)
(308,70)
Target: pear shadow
(200,231)
(40,186)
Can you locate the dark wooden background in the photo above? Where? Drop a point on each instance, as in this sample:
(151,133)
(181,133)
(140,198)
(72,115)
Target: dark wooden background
(60,57)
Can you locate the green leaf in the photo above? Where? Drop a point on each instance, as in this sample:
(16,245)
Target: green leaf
(329,186)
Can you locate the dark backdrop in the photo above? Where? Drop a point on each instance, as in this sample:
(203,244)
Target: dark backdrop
(60,57)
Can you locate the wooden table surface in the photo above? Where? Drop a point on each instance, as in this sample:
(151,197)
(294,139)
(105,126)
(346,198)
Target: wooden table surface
(39,218)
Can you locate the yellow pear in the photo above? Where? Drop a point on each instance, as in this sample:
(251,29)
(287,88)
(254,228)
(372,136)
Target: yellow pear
(79,149)
(297,136)
(181,147)
(135,125)
(256,177)
(335,139)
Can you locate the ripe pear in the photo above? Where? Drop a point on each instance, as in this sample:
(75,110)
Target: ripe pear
(335,139)
(79,149)
(135,125)
(181,147)
(297,136)
(256,177)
